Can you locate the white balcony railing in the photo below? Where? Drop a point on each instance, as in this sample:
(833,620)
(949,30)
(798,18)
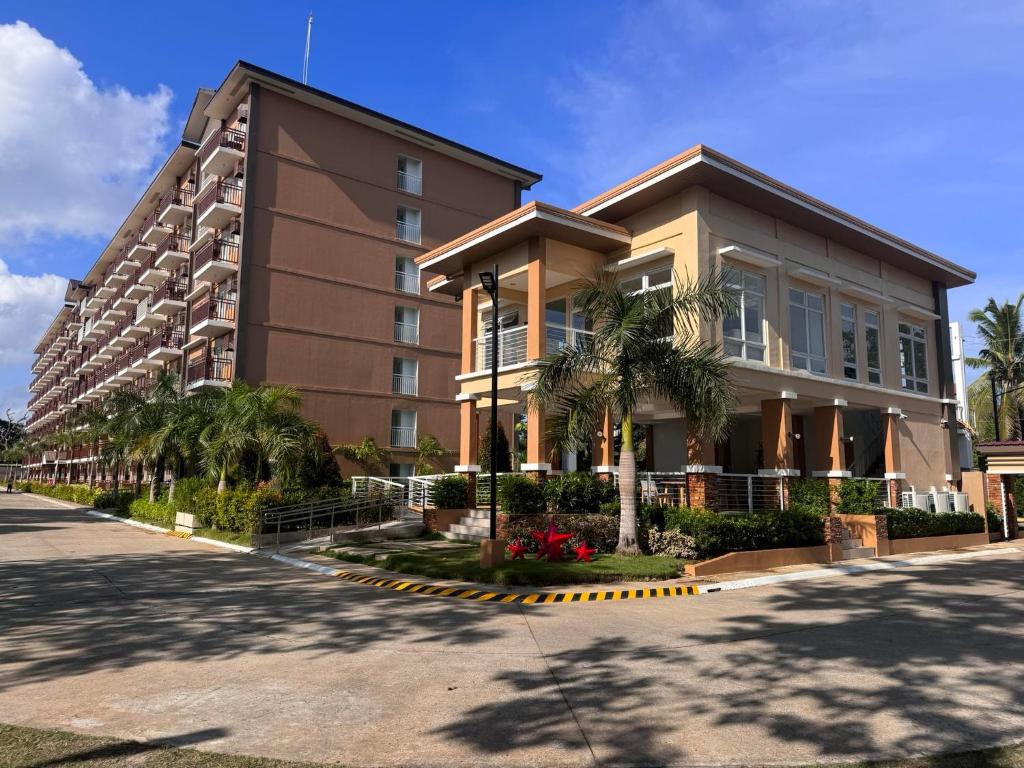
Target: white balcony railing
(408,232)
(402,384)
(407,282)
(410,182)
(403,437)
(512,344)
(407,333)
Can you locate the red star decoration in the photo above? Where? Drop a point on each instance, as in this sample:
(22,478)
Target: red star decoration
(517,549)
(550,542)
(583,552)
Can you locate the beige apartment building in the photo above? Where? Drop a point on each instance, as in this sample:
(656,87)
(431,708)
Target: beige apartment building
(839,350)
(277,244)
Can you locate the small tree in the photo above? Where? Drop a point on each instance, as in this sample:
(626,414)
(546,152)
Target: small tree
(429,452)
(503,461)
(367,455)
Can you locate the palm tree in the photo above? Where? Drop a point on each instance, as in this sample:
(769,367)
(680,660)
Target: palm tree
(367,455)
(1002,334)
(645,346)
(178,438)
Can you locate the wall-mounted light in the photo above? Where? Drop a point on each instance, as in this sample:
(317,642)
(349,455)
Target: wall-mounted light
(794,435)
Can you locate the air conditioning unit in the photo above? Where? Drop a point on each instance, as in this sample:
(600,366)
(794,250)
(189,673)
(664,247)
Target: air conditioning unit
(942,501)
(960,503)
(915,500)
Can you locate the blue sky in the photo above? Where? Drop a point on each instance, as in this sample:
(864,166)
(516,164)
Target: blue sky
(906,114)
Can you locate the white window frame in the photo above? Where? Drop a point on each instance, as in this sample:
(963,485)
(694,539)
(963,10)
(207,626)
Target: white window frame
(398,378)
(874,371)
(400,335)
(808,312)
(406,181)
(913,381)
(645,280)
(400,426)
(406,281)
(848,316)
(741,308)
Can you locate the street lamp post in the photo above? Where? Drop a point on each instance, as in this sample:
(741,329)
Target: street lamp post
(491,553)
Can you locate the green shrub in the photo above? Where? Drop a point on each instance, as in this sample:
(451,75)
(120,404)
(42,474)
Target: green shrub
(155,513)
(116,501)
(857,497)
(809,494)
(917,523)
(81,494)
(673,543)
(995,519)
(451,492)
(520,495)
(599,531)
(610,508)
(715,534)
(578,493)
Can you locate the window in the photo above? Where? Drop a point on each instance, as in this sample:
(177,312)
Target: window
(408,224)
(410,175)
(649,281)
(913,358)
(407,275)
(873,334)
(403,429)
(848,315)
(401,470)
(407,325)
(743,328)
(807,331)
(404,376)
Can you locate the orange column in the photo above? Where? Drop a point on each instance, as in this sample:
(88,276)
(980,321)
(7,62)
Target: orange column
(604,445)
(469,433)
(701,473)
(830,458)
(470,298)
(536,337)
(536,455)
(894,474)
(777,433)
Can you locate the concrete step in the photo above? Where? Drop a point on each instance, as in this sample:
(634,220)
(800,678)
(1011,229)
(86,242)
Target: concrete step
(479,514)
(468,529)
(852,543)
(856,553)
(451,536)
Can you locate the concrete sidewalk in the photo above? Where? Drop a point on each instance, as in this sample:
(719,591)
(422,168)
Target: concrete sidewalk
(110,630)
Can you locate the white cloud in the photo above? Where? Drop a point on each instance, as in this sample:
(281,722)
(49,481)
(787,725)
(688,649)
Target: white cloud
(73,157)
(27,307)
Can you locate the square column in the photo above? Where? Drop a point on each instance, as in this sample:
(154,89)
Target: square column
(470,306)
(536,463)
(603,448)
(701,473)
(469,429)
(829,460)
(536,300)
(894,475)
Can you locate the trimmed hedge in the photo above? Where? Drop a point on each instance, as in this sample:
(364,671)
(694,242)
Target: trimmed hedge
(155,513)
(916,523)
(599,531)
(578,493)
(715,534)
(809,494)
(451,492)
(857,497)
(521,495)
(80,494)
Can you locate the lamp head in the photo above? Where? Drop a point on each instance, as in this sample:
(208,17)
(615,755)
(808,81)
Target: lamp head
(488,282)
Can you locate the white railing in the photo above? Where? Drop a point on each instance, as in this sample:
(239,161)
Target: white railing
(747,493)
(407,333)
(407,282)
(403,437)
(392,487)
(142,308)
(511,348)
(409,182)
(483,488)
(664,488)
(559,337)
(410,233)
(421,490)
(402,384)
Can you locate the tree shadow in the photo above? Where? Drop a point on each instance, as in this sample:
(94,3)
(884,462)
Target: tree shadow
(130,751)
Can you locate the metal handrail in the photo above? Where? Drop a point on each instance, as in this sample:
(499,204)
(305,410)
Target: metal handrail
(308,514)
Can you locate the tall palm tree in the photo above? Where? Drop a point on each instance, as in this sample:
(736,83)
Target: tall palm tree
(177,439)
(1001,329)
(645,346)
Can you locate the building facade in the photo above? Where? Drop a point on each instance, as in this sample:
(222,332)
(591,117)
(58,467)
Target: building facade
(277,244)
(839,349)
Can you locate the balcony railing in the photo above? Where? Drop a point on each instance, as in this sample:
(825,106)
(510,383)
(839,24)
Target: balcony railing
(213,308)
(410,182)
(210,368)
(403,437)
(173,289)
(230,138)
(402,384)
(176,196)
(173,242)
(407,333)
(407,231)
(512,344)
(226,192)
(168,337)
(407,282)
(218,250)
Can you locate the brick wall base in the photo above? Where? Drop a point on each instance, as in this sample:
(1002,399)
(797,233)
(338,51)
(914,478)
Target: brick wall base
(702,490)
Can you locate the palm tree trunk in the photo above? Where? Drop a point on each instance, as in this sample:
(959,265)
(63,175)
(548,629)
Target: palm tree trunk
(174,480)
(627,492)
(222,484)
(116,472)
(138,479)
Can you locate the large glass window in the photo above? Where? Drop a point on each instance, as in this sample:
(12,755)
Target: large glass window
(848,315)
(743,328)
(913,358)
(873,336)
(649,281)
(807,331)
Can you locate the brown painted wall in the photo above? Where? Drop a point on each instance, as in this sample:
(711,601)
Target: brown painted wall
(318,269)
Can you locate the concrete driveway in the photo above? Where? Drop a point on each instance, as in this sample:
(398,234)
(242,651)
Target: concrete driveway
(110,630)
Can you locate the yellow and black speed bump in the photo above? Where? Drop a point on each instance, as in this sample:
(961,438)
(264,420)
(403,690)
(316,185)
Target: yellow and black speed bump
(179,534)
(533,598)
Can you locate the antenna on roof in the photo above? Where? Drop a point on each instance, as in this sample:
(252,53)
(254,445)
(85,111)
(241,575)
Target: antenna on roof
(305,60)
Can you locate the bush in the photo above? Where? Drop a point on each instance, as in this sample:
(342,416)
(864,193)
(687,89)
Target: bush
(673,543)
(155,513)
(81,494)
(116,501)
(520,495)
(857,497)
(916,523)
(715,534)
(451,492)
(995,519)
(599,531)
(578,493)
(809,494)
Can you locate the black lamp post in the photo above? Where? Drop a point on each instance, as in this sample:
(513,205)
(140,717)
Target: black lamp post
(489,281)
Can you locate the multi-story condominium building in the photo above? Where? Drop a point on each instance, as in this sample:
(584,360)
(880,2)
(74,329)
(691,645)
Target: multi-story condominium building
(277,243)
(839,347)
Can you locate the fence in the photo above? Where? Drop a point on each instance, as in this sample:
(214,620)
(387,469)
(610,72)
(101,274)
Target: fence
(324,518)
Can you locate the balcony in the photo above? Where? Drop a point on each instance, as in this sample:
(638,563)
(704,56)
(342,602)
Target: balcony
(222,151)
(165,344)
(210,370)
(145,317)
(218,204)
(403,437)
(137,291)
(153,230)
(124,303)
(410,182)
(175,206)
(149,273)
(123,372)
(407,282)
(137,358)
(216,260)
(512,345)
(402,384)
(407,333)
(407,231)
(172,252)
(213,316)
(128,260)
(169,297)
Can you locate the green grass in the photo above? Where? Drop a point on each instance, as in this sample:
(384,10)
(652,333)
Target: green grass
(231,537)
(464,564)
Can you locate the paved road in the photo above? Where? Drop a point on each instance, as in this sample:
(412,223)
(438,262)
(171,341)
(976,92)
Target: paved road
(110,630)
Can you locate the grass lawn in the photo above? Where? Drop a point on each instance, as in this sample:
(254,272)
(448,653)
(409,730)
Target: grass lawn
(33,748)
(463,563)
(231,537)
